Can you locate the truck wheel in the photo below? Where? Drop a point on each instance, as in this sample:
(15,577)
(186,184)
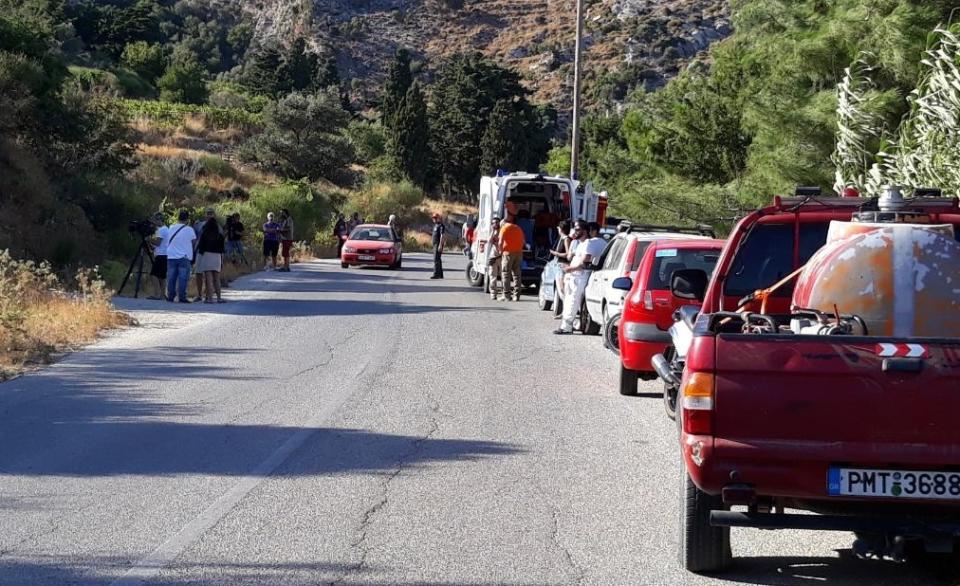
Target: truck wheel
(473,277)
(628,381)
(703,547)
(611,334)
(542,302)
(670,392)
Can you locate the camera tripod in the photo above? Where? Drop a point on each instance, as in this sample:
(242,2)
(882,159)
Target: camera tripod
(138,258)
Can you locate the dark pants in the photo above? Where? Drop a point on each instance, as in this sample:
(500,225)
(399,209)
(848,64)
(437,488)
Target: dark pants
(437,262)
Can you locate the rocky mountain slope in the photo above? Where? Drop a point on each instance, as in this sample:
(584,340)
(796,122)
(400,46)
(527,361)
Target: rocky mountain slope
(629,43)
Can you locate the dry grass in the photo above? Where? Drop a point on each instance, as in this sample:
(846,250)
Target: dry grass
(39,317)
(448,208)
(167,151)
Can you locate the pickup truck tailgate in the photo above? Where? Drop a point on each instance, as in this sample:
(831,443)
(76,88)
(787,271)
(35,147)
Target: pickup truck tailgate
(833,397)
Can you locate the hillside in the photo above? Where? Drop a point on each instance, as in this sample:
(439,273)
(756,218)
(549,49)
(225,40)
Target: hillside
(629,43)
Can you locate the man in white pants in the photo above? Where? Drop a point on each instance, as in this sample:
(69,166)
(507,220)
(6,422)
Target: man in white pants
(575,278)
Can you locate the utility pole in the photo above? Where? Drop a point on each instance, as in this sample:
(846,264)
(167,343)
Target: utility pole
(575,139)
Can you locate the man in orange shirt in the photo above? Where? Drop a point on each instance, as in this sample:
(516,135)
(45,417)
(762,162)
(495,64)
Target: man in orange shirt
(512,241)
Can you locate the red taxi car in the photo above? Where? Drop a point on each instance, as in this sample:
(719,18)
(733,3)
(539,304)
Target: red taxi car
(372,245)
(649,306)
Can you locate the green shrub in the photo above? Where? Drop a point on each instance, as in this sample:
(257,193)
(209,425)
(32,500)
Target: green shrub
(90,78)
(133,85)
(184,82)
(309,207)
(377,201)
(145,59)
(210,165)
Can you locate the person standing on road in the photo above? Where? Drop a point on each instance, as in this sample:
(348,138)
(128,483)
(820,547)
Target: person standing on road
(198,228)
(180,245)
(340,232)
(234,248)
(271,243)
(439,240)
(286,238)
(494,261)
(563,254)
(575,279)
(210,245)
(159,268)
(512,240)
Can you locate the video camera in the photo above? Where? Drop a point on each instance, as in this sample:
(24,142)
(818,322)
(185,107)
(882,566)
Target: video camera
(144,228)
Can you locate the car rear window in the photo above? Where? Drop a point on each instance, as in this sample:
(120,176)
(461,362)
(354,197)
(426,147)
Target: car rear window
(668,260)
(766,257)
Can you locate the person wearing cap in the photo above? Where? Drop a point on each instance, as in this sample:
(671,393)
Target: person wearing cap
(439,240)
(159,267)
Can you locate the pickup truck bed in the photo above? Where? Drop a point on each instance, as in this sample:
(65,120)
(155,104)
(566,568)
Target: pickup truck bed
(864,430)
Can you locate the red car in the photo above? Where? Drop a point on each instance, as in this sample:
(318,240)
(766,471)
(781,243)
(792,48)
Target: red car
(649,306)
(372,245)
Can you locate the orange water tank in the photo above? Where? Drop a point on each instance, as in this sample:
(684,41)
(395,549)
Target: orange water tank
(902,279)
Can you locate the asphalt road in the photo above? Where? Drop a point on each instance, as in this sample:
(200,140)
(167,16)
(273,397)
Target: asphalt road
(346,427)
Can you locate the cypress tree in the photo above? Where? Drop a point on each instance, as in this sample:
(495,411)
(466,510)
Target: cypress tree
(298,69)
(409,141)
(399,80)
(503,143)
(262,74)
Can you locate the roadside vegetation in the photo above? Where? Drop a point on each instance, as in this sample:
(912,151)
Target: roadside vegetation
(40,315)
(760,115)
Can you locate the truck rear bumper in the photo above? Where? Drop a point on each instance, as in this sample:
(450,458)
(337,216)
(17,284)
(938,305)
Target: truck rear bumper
(905,527)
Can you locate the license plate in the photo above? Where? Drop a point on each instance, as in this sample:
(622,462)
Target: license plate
(912,484)
(367,257)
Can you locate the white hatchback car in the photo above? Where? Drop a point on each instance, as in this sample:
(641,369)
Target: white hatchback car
(621,258)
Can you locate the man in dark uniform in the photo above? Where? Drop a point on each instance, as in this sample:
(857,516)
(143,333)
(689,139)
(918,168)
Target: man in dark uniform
(439,239)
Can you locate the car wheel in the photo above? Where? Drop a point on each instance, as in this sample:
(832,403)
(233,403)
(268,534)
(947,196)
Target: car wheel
(703,547)
(473,277)
(588,327)
(670,392)
(611,334)
(344,265)
(628,381)
(542,301)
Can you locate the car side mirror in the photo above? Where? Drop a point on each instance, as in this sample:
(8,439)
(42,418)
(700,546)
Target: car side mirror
(622,283)
(690,284)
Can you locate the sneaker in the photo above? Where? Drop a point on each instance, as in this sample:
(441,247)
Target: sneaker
(516,299)
(562,332)
(436,277)
(185,301)
(170,299)
(197,299)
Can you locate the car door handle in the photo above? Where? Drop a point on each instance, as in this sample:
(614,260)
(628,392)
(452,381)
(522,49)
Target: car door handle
(663,303)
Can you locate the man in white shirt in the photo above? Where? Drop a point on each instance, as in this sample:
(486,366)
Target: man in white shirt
(180,246)
(159,268)
(575,278)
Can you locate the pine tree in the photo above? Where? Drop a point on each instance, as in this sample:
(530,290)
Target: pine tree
(409,142)
(399,80)
(326,73)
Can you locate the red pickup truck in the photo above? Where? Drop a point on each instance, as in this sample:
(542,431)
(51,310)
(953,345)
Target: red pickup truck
(770,421)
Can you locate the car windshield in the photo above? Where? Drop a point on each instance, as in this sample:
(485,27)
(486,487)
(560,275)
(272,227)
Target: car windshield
(668,260)
(378,234)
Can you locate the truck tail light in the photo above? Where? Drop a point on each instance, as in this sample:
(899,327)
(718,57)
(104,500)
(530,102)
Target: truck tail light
(648,300)
(697,393)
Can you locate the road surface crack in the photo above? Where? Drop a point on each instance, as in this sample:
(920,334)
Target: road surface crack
(578,571)
(383,499)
